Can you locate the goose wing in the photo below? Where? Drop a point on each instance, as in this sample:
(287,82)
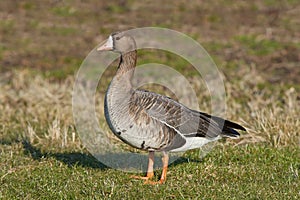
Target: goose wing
(186,122)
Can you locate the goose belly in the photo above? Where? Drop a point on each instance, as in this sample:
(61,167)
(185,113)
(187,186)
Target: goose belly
(140,135)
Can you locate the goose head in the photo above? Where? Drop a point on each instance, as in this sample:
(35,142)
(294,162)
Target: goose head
(118,42)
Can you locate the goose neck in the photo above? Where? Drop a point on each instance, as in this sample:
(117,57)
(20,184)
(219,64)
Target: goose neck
(125,72)
(127,62)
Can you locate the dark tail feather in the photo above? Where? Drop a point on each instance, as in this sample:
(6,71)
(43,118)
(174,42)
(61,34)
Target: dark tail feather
(230,132)
(234,125)
(228,126)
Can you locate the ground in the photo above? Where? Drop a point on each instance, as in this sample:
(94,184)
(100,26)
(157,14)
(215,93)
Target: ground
(255,46)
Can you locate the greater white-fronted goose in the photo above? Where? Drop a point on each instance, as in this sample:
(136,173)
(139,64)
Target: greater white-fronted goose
(153,122)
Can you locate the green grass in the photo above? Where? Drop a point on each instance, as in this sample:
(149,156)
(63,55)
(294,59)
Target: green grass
(65,31)
(64,11)
(244,172)
(166,58)
(259,47)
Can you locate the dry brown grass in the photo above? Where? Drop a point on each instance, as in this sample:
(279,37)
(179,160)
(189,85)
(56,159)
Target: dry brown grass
(37,109)
(270,112)
(41,111)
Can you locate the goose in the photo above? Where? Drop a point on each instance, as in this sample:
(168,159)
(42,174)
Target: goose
(151,121)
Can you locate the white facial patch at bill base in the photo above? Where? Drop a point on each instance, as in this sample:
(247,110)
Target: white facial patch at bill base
(108,45)
(110,42)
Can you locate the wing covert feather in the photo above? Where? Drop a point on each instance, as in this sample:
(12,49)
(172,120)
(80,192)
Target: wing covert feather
(186,122)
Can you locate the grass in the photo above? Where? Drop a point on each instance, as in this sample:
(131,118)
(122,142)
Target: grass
(250,171)
(255,45)
(64,11)
(258,46)
(42,155)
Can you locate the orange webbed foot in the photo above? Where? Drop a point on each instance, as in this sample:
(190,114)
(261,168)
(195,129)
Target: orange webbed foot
(149,176)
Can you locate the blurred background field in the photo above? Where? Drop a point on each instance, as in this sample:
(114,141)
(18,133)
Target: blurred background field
(255,44)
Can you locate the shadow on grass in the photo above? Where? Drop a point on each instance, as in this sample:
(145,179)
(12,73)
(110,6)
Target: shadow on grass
(8,141)
(183,160)
(70,159)
(135,163)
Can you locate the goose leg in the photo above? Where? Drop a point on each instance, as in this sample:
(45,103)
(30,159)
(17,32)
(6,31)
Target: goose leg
(165,161)
(150,172)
